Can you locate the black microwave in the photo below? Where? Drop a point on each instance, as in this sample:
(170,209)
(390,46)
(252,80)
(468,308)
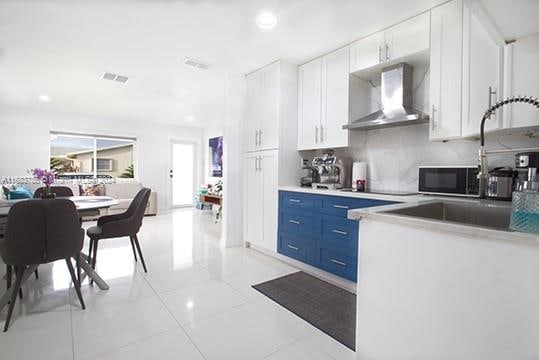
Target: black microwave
(449,180)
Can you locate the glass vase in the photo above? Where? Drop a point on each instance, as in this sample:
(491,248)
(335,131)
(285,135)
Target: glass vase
(525,211)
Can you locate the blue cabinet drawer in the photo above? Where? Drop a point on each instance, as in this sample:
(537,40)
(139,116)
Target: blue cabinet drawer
(298,222)
(299,248)
(339,206)
(299,201)
(339,233)
(338,263)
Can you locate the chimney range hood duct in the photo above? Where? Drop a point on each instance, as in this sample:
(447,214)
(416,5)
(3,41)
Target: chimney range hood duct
(396,98)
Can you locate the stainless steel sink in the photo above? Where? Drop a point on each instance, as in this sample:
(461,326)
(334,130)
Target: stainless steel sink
(482,215)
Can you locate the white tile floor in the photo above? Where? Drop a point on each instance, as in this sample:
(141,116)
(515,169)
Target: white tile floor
(196,302)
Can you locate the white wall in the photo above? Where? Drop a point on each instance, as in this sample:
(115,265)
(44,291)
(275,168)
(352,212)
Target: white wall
(24,143)
(232,230)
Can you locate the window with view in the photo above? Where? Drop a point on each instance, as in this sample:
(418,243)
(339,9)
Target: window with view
(87,156)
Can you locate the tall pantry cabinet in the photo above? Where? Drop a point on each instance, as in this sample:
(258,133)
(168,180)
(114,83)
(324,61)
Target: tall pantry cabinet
(271,159)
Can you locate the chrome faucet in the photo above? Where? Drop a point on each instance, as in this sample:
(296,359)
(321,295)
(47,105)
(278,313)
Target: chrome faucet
(483,164)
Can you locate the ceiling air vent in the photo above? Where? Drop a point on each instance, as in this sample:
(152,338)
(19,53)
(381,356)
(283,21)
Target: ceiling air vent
(114,77)
(197,64)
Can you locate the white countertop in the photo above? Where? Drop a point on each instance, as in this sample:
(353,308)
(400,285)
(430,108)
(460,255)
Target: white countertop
(353,194)
(377,213)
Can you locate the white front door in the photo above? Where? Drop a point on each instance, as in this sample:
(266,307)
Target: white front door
(183,171)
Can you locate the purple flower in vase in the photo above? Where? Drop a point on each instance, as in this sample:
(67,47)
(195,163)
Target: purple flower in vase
(46,177)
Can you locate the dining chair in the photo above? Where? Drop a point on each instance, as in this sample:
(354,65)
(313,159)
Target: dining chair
(60,191)
(127,223)
(55,233)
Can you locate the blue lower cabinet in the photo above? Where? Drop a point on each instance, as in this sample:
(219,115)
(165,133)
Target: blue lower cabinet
(299,248)
(338,263)
(339,206)
(298,222)
(315,229)
(339,233)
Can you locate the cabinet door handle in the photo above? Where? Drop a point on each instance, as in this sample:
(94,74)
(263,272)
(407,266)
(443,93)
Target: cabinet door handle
(491,91)
(294,200)
(294,222)
(256,138)
(340,232)
(387,52)
(259,137)
(256,163)
(321,133)
(259,163)
(434,122)
(338,262)
(293,247)
(316,134)
(340,207)
(380,54)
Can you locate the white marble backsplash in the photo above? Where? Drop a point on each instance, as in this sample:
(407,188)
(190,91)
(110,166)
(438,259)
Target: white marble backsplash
(393,155)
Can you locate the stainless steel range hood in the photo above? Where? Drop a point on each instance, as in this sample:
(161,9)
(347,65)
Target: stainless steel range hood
(396,98)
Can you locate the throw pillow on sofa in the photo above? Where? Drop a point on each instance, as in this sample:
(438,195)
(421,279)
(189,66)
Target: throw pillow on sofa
(92,190)
(20,193)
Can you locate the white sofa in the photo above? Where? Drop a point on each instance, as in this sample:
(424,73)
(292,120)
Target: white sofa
(124,192)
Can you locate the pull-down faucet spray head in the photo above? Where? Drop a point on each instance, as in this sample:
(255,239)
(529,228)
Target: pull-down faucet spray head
(483,166)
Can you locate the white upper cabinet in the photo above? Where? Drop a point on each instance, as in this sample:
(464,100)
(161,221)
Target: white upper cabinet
(520,57)
(446,71)
(323,101)
(309,104)
(335,98)
(271,107)
(482,76)
(367,52)
(254,83)
(268,137)
(409,37)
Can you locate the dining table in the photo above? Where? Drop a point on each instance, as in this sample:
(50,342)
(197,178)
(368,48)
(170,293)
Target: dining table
(85,205)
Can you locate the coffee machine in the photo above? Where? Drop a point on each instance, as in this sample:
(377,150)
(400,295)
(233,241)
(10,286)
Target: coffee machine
(310,174)
(527,164)
(333,172)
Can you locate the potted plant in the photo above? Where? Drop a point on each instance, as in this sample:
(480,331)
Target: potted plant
(47,178)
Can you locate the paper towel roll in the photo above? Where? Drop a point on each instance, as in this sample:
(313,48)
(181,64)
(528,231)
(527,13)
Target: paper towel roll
(359,172)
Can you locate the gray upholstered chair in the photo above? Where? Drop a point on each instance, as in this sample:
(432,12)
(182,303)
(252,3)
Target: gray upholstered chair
(39,232)
(60,191)
(119,225)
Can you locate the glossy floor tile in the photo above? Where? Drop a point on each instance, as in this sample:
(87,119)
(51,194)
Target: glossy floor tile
(243,332)
(100,331)
(195,302)
(170,345)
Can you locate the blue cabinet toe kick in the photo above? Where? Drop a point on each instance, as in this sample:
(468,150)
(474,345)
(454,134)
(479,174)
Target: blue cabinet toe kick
(314,229)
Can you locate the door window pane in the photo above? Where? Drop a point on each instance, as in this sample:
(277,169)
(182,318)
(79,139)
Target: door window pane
(183,171)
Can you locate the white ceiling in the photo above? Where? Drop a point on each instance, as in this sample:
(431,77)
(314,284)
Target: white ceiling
(60,48)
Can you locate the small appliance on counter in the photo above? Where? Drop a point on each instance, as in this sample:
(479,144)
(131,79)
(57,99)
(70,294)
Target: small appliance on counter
(333,173)
(449,180)
(310,174)
(359,176)
(500,183)
(527,164)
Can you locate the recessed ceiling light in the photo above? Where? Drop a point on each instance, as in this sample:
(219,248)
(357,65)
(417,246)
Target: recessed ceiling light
(44,98)
(266,20)
(190,118)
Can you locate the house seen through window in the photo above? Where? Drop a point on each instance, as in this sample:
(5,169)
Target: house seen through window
(87,156)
